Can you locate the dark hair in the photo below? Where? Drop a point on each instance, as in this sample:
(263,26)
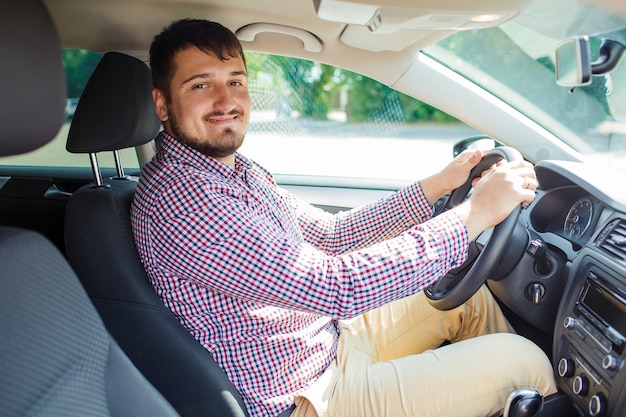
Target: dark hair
(205,35)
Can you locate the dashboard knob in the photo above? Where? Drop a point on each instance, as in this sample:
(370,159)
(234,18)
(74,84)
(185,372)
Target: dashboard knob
(580,385)
(609,362)
(597,405)
(566,368)
(569,322)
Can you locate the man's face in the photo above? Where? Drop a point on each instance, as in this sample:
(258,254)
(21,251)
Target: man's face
(209,106)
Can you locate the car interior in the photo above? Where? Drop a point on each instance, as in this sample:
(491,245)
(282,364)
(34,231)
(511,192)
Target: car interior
(57,356)
(83,331)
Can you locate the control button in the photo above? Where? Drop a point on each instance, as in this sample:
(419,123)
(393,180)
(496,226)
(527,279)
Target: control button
(567,367)
(597,405)
(605,344)
(594,374)
(580,385)
(609,362)
(569,322)
(598,352)
(588,327)
(615,337)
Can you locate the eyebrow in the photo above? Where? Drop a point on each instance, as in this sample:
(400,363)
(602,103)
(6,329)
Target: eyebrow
(206,75)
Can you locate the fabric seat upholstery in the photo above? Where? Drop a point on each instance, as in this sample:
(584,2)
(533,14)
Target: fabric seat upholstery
(114,112)
(56,357)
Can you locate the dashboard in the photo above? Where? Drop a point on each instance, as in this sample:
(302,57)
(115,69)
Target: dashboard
(577,299)
(575,287)
(569,212)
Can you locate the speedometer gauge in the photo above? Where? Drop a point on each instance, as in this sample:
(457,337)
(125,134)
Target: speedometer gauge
(578,218)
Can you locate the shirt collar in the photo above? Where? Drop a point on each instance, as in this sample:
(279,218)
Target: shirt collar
(171,148)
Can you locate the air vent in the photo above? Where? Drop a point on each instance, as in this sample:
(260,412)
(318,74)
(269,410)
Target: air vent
(613,239)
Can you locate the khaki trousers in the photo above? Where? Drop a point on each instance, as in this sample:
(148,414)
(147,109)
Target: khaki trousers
(390,363)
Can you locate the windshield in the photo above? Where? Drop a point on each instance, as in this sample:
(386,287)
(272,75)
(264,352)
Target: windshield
(591,119)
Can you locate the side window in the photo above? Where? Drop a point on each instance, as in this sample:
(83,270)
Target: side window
(79,65)
(313,119)
(307,119)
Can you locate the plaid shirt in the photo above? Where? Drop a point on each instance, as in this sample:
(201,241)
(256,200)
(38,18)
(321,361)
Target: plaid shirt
(260,278)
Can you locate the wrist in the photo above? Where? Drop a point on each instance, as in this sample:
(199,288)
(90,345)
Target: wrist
(434,187)
(476,221)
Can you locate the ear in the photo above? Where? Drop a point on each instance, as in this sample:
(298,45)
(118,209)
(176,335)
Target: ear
(160,105)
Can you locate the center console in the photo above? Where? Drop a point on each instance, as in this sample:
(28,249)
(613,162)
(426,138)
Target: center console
(590,340)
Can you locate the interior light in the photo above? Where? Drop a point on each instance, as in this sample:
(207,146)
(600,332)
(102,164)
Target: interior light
(486,18)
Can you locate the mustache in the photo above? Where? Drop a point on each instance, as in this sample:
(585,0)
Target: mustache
(218,113)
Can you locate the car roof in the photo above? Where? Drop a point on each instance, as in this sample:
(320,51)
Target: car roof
(378,38)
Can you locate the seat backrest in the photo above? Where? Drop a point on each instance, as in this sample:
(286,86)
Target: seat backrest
(28,89)
(101,248)
(56,357)
(120,85)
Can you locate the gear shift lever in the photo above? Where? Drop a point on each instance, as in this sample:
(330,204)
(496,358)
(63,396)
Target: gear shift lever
(523,403)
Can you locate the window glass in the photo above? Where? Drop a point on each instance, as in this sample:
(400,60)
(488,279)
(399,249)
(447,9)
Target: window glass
(590,119)
(79,65)
(307,119)
(314,119)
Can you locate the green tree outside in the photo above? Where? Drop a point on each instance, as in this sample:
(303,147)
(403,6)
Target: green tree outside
(312,89)
(79,65)
(315,89)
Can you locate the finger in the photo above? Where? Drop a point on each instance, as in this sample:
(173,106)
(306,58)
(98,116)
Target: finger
(486,172)
(470,157)
(470,154)
(530,183)
(528,189)
(528,197)
(519,165)
(522,169)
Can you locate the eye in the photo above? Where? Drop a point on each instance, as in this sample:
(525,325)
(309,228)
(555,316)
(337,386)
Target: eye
(199,86)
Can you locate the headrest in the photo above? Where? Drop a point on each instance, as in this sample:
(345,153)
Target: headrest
(116,110)
(32,84)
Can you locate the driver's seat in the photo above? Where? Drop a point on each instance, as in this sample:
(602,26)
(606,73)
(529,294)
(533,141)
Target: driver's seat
(115,112)
(56,357)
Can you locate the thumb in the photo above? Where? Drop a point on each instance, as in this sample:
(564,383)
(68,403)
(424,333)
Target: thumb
(470,157)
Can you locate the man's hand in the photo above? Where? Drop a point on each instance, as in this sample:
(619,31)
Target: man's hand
(452,176)
(496,194)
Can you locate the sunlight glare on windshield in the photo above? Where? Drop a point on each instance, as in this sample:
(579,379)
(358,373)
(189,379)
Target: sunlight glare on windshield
(590,119)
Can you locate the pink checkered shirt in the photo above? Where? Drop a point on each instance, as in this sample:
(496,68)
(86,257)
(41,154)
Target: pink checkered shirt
(260,278)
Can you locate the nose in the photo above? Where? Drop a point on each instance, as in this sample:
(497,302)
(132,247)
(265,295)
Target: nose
(222,97)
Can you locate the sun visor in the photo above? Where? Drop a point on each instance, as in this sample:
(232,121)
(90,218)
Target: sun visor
(382,16)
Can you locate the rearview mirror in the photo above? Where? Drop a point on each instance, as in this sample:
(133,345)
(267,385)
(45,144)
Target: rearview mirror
(573,62)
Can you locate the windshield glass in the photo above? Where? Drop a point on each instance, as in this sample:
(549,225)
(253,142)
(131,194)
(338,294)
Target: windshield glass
(590,119)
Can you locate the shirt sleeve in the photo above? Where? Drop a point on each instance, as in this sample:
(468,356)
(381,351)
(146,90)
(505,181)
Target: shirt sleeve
(363,226)
(221,243)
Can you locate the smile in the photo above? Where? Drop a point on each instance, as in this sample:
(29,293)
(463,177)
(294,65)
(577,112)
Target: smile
(222,118)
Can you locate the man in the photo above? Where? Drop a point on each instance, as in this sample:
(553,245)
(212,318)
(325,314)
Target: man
(310,313)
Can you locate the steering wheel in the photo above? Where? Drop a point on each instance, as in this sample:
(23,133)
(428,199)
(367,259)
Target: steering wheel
(459,284)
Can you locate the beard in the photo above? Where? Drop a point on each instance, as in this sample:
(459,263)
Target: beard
(217,147)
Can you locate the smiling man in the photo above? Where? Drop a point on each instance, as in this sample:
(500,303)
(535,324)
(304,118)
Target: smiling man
(310,313)
(216,104)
